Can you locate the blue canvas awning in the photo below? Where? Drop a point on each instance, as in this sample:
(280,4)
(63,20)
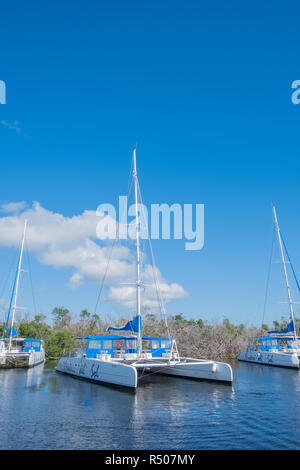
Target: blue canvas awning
(155,338)
(113,337)
(275,337)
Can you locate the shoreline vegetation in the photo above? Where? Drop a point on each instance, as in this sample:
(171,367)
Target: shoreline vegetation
(218,340)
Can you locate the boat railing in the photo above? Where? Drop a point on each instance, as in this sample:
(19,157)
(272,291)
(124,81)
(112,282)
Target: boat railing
(118,354)
(146,354)
(104,357)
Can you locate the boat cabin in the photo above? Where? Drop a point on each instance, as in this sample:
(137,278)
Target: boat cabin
(32,344)
(24,344)
(159,347)
(121,346)
(274,343)
(110,345)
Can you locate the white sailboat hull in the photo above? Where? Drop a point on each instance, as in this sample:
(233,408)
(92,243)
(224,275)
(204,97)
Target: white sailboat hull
(10,360)
(99,371)
(269,358)
(126,375)
(200,370)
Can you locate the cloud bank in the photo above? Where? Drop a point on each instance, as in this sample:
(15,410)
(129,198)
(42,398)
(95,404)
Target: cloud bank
(71,242)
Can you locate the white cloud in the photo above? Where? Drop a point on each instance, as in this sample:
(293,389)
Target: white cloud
(11,125)
(126,295)
(13,206)
(15,126)
(71,242)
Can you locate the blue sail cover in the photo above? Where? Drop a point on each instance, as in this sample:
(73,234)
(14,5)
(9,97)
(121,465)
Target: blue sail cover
(13,332)
(289,329)
(134,325)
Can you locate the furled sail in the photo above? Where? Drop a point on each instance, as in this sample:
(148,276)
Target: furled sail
(134,325)
(289,329)
(14,332)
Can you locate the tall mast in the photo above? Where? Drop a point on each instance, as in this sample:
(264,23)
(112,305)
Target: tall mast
(138,258)
(285,273)
(17,285)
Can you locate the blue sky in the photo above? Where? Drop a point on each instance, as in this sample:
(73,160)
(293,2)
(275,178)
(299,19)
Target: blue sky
(205,90)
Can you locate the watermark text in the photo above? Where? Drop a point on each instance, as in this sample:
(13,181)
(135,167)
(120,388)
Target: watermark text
(2,92)
(296,94)
(163,221)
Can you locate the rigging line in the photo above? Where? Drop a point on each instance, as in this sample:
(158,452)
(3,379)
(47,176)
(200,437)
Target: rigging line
(130,178)
(158,292)
(30,279)
(130,181)
(268,278)
(9,272)
(9,308)
(154,269)
(152,254)
(294,273)
(143,256)
(12,295)
(104,276)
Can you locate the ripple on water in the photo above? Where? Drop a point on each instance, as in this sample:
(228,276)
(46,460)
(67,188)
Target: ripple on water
(41,409)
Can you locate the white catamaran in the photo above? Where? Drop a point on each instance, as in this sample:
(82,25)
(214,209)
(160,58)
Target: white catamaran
(122,360)
(15,351)
(278,348)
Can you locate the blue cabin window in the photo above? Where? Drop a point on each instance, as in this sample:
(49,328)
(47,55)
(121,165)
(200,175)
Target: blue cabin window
(95,347)
(131,346)
(94,344)
(267,344)
(32,344)
(291,345)
(160,346)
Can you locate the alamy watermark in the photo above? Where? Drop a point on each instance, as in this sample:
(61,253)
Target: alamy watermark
(296,94)
(180,222)
(2,92)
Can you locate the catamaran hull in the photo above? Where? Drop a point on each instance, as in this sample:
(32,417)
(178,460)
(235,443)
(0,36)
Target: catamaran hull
(98,371)
(270,358)
(200,370)
(21,360)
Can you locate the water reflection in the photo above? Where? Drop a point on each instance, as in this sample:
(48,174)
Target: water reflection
(165,412)
(35,377)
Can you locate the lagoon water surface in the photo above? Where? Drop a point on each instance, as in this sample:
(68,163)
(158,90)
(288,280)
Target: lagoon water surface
(41,409)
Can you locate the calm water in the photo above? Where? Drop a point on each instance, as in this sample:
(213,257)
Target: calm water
(41,409)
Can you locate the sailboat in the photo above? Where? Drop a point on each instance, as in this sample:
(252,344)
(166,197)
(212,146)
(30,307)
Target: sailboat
(16,351)
(123,359)
(278,348)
